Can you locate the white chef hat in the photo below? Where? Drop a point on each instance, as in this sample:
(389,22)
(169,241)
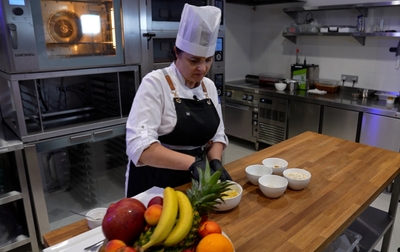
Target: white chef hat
(198,30)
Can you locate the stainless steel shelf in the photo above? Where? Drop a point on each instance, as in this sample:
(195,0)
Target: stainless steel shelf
(359,36)
(10,197)
(372,224)
(361,7)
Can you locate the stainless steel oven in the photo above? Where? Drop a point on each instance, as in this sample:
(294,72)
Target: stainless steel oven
(77,172)
(241,112)
(44,35)
(40,106)
(165,14)
(159,24)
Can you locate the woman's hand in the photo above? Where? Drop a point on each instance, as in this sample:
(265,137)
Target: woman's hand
(215,165)
(198,163)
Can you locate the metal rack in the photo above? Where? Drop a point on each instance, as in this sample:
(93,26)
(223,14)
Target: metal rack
(362,8)
(10,145)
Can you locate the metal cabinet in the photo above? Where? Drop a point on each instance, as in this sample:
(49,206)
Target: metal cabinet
(16,220)
(303,117)
(380,131)
(340,123)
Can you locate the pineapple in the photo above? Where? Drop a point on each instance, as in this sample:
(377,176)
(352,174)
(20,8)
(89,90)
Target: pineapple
(203,196)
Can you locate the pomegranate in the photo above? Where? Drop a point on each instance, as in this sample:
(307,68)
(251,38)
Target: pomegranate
(124,220)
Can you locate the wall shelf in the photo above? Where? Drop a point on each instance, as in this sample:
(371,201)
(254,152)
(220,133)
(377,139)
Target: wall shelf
(359,36)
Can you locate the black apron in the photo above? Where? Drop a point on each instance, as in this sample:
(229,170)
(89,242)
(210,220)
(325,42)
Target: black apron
(197,122)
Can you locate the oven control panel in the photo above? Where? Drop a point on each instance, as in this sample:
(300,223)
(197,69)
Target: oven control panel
(245,97)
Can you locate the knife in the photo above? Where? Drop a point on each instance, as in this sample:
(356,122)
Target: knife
(94,246)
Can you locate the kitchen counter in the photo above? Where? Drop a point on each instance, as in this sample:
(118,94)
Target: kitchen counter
(342,99)
(346,178)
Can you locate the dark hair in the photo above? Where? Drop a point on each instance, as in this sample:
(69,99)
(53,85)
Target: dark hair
(178,51)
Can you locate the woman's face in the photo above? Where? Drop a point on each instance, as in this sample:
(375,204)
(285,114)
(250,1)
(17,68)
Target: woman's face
(193,68)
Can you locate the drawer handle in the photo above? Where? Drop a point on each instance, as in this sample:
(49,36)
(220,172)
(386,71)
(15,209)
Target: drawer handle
(80,137)
(103,132)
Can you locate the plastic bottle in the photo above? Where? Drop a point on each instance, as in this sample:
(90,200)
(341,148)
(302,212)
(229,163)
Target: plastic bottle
(297,56)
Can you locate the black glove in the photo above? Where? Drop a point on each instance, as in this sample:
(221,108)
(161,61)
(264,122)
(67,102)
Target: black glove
(198,163)
(215,165)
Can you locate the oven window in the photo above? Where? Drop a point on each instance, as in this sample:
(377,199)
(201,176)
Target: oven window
(78,28)
(170,10)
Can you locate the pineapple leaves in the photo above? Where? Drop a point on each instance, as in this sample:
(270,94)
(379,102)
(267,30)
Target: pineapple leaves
(207,191)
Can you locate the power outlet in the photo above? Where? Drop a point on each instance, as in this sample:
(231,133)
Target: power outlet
(349,78)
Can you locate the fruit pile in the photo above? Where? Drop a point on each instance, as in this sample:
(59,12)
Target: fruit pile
(174,222)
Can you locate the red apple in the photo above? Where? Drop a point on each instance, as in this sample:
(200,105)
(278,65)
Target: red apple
(124,220)
(157,200)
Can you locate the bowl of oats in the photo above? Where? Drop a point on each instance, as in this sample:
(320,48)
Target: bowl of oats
(298,178)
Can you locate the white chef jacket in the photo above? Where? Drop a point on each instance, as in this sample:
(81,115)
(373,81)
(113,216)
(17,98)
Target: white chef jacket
(153,111)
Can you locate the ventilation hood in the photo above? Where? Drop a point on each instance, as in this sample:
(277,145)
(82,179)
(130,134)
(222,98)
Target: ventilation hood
(262,2)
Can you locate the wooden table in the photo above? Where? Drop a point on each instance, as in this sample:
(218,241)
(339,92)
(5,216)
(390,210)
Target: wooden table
(346,178)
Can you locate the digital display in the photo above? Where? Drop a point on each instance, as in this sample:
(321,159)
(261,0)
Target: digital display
(16,2)
(218,47)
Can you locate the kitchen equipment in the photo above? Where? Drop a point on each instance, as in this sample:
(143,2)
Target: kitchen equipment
(241,111)
(272,186)
(305,75)
(46,105)
(280,86)
(297,178)
(86,216)
(338,29)
(330,86)
(95,217)
(293,85)
(92,164)
(255,171)
(48,35)
(272,119)
(278,165)
(165,14)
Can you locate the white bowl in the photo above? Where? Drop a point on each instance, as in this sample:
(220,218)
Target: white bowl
(230,203)
(297,178)
(280,86)
(97,214)
(272,186)
(254,172)
(278,165)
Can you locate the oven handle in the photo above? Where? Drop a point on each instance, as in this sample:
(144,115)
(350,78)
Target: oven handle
(103,132)
(238,106)
(80,137)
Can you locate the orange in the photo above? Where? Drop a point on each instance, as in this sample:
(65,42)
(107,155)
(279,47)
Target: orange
(215,243)
(209,227)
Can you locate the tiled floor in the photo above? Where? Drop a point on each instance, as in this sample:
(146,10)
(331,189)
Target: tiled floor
(239,148)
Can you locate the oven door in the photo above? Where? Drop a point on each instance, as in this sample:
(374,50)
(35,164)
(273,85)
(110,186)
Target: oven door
(47,35)
(240,121)
(46,105)
(166,14)
(77,172)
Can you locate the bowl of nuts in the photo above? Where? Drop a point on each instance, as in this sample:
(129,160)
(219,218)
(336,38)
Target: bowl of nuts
(297,178)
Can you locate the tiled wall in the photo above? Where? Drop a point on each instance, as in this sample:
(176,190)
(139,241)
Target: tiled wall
(255,45)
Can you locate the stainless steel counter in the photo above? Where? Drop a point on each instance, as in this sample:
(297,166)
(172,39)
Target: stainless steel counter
(342,99)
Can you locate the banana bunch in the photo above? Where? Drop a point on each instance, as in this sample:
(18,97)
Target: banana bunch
(175,221)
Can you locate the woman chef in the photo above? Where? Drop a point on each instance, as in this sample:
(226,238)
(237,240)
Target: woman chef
(175,120)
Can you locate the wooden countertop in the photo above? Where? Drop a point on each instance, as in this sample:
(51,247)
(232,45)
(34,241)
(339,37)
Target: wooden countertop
(346,178)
